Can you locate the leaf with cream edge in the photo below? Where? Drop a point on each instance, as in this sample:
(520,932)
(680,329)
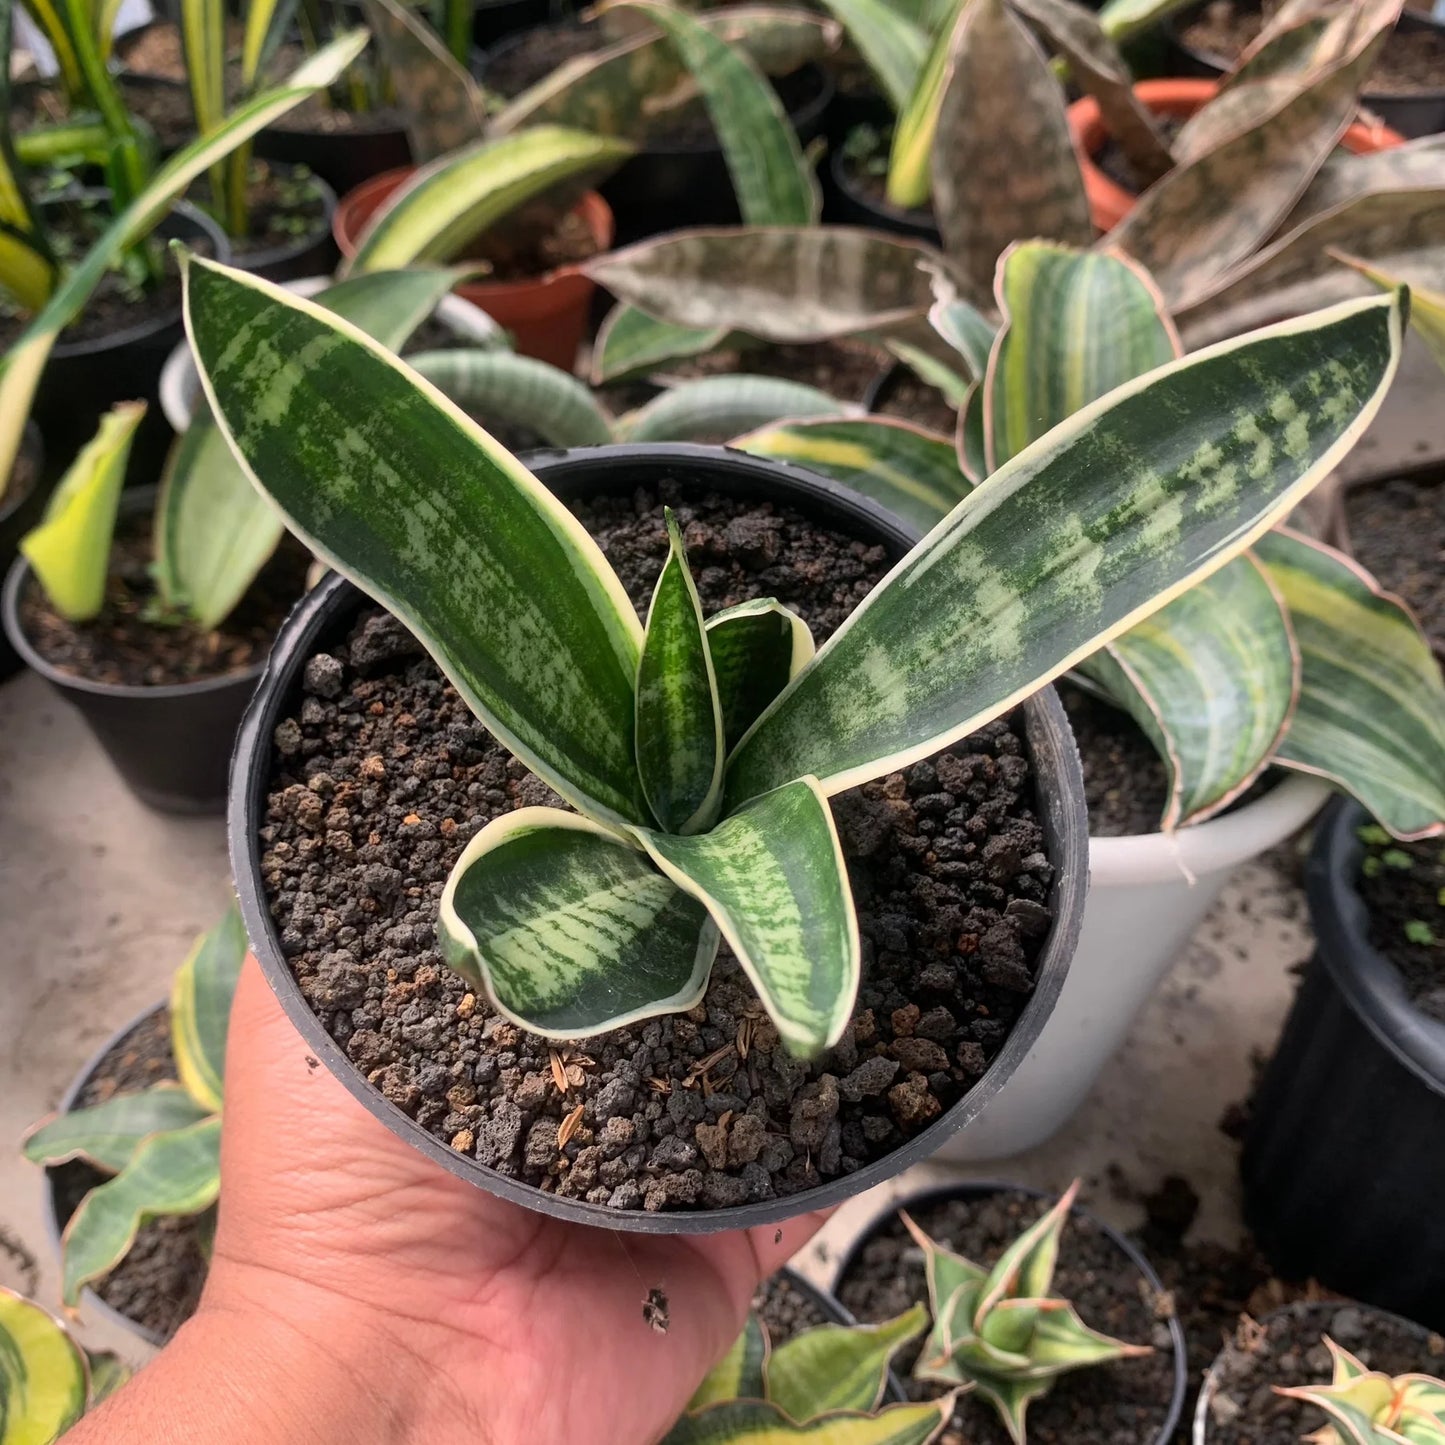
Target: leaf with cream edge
(27,264)
(962,325)
(912,472)
(942,377)
(756,1422)
(453,535)
(679,719)
(178,1173)
(772,876)
(459,196)
(69,551)
(757,648)
(24,363)
(711,406)
(108,1134)
(786,283)
(892,46)
(213,532)
(1083,534)
(774,183)
(570,929)
(44,1379)
(1371,712)
(201,995)
(910,180)
(630,341)
(739,1375)
(839,1367)
(1427,306)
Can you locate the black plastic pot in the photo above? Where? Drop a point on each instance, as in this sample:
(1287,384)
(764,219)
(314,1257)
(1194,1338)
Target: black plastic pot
(19,512)
(847,204)
(327,613)
(84,379)
(58,1207)
(313,254)
(494,20)
(1344,1158)
(342,158)
(981,1189)
(1412,113)
(171,744)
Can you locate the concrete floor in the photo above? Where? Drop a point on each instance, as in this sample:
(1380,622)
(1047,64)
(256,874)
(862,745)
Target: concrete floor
(99,898)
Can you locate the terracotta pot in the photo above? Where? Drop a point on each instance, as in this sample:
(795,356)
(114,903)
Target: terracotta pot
(1109,202)
(546,316)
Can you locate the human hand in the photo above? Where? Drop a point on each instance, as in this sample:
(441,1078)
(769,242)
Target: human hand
(362,1294)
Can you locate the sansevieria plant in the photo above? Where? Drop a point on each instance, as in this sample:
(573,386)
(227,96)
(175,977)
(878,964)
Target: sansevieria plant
(1367,1407)
(700,753)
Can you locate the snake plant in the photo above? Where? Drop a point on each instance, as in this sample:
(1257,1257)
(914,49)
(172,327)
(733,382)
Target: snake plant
(161,1146)
(1368,1407)
(699,817)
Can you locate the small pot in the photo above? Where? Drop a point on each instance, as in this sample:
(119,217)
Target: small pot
(980,1189)
(1109,202)
(1343,1167)
(344,159)
(327,613)
(546,316)
(82,380)
(171,743)
(19,512)
(57,1214)
(310,255)
(848,204)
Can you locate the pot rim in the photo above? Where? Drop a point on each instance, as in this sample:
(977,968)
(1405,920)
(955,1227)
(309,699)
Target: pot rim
(133,499)
(292,250)
(566,472)
(964,1188)
(1369,982)
(1199,1432)
(919,216)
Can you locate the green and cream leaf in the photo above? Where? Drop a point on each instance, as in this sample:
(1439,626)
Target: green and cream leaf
(711,406)
(201,995)
(44,1379)
(757,648)
(108,1134)
(739,1375)
(757,1422)
(630,341)
(839,1367)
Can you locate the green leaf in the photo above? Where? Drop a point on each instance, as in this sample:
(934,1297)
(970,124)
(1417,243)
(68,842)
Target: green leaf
(213,530)
(1003,164)
(203,38)
(502,388)
(962,325)
(1011,1400)
(108,1373)
(892,46)
(43,1375)
(23,364)
(773,877)
(1026,1268)
(70,549)
(969,439)
(756,1422)
(912,472)
(757,647)
(201,997)
(389,482)
(839,1367)
(1371,712)
(1211,679)
(911,157)
(630,341)
(812,283)
(679,720)
(954,1285)
(108,1134)
(570,929)
(739,1374)
(1427,306)
(1123,18)
(1061,1341)
(178,1173)
(713,406)
(27,265)
(773,181)
(447,204)
(931,371)
(1099,523)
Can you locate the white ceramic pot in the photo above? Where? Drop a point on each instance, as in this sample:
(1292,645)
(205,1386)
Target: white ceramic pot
(1147,894)
(180,385)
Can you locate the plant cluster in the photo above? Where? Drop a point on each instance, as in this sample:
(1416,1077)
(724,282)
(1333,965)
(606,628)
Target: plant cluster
(1366,1407)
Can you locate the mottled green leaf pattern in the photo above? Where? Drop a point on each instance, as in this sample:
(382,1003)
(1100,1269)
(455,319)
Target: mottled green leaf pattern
(108,1134)
(710,407)
(630,341)
(757,647)
(43,1375)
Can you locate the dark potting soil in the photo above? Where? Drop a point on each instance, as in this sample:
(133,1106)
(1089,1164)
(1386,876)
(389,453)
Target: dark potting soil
(1123,1403)
(122,647)
(24,473)
(786,1310)
(1288,1349)
(1125,782)
(286,208)
(165,108)
(1111,159)
(1397,530)
(912,398)
(844,369)
(1403,885)
(522,253)
(381,776)
(159,1281)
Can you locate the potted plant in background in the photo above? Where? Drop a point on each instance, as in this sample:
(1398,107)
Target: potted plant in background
(132,1157)
(480,1134)
(1017,1297)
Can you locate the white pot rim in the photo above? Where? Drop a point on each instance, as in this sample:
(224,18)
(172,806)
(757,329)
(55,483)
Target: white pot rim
(1211,846)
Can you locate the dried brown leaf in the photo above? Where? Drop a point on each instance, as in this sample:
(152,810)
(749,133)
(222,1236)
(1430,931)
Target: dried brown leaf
(569,1126)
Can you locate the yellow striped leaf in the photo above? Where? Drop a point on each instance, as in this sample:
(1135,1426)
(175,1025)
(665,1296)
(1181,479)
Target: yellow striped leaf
(756,1422)
(43,1375)
(910,160)
(201,995)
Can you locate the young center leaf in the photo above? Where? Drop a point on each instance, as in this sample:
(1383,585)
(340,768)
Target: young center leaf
(1078,537)
(757,648)
(773,877)
(396,487)
(44,1380)
(201,995)
(570,928)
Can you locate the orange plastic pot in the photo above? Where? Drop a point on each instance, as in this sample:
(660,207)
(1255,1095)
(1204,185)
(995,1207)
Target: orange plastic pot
(1109,202)
(546,316)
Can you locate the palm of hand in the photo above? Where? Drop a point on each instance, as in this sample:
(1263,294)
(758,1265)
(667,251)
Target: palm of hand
(525,1328)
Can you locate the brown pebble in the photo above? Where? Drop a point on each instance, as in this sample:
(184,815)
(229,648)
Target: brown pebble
(373,767)
(463,1140)
(468,1006)
(411,820)
(905,1020)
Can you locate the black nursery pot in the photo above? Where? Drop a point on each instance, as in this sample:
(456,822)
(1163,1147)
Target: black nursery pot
(494,20)
(981,1189)
(1343,1166)
(846,202)
(342,158)
(20,510)
(313,254)
(327,614)
(171,744)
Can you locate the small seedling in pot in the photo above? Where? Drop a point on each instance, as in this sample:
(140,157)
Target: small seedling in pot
(999,1331)
(825,1384)
(1368,1407)
(161,1146)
